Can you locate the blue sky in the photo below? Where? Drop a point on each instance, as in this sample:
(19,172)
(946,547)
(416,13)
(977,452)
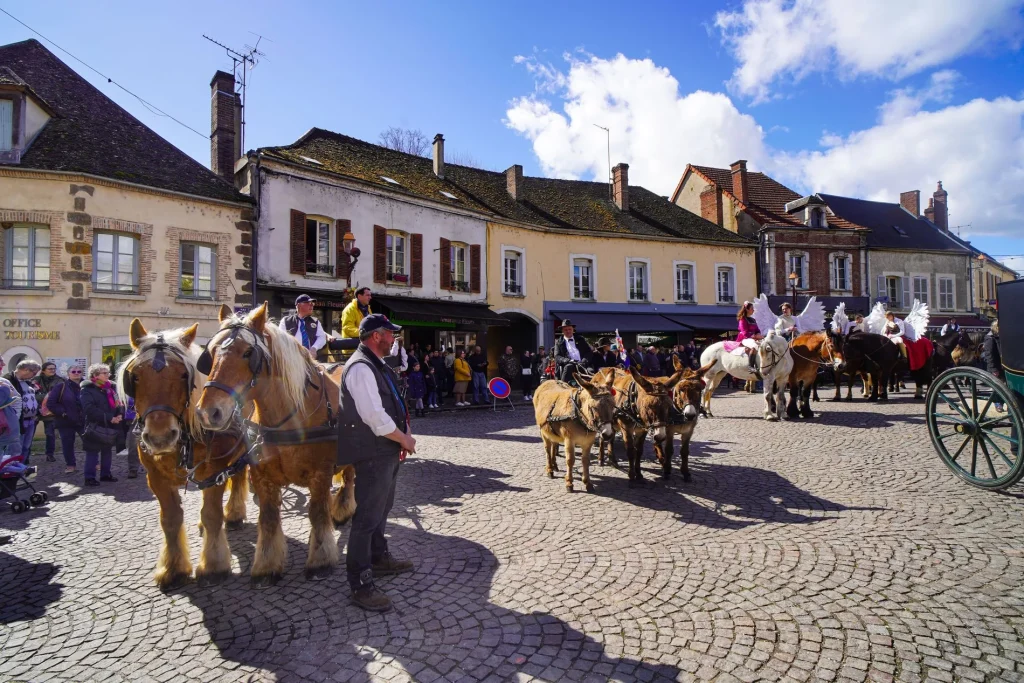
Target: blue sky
(864,101)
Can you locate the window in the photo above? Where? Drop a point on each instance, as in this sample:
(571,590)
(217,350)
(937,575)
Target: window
(947,301)
(816,218)
(116,263)
(582,278)
(726,279)
(318,247)
(513,272)
(841,273)
(921,288)
(397,243)
(198,265)
(637,275)
(684,282)
(28,262)
(458,261)
(798,262)
(894,290)
(6,125)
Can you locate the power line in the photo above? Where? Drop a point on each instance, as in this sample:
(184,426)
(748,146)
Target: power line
(148,105)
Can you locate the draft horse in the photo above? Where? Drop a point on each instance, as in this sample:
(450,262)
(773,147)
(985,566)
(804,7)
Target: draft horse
(809,351)
(161,376)
(294,440)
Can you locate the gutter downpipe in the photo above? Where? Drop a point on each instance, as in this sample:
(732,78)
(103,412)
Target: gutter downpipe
(256,183)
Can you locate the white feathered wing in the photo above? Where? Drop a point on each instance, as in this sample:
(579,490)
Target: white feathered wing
(812,319)
(763,315)
(876,319)
(840,321)
(916,322)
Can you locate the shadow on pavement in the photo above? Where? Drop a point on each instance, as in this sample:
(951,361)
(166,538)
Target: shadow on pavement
(26,591)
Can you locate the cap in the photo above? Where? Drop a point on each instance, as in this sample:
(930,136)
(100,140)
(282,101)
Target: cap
(377,321)
(304,299)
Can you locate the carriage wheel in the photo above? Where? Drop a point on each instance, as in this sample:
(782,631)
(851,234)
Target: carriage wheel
(974,437)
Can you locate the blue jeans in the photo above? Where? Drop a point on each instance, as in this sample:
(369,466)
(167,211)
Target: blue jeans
(28,432)
(67,442)
(101,457)
(50,428)
(479,387)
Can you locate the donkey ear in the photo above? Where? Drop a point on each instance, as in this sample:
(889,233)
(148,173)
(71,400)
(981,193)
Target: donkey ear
(676,363)
(584,384)
(258,318)
(641,380)
(189,335)
(136,332)
(225,313)
(675,379)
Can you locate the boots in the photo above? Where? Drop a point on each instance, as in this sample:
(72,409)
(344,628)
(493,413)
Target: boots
(752,362)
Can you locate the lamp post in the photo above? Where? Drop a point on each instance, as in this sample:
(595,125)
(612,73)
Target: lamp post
(348,244)
(793,277)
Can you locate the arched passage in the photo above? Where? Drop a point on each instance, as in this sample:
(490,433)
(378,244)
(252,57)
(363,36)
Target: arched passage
(520,334)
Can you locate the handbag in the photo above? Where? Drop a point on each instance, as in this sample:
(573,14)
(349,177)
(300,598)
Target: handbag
(98,434)
(527,371)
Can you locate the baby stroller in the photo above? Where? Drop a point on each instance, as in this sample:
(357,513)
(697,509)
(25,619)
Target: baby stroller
(12,471)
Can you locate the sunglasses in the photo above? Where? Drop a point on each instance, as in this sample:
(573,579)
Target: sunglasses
(74,372)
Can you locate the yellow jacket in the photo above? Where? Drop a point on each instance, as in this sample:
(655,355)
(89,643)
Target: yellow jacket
(351,316)
(461,370)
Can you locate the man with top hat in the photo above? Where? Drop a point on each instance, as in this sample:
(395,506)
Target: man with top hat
(374,436)
(303,326)
(571,352)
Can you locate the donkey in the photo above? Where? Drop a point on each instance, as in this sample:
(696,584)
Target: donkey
(174,449)
(776,363)
(686,401)
(253,363)
(573,417)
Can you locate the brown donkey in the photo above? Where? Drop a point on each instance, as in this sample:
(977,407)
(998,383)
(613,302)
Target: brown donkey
(161,376)
(685,409)
(810,351)
(573,417)
(259,366)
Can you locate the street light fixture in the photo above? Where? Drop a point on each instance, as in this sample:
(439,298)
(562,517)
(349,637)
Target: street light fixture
(793,277)
(348,244)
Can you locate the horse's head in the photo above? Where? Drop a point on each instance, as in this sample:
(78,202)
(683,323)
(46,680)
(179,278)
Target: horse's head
(654,401)
(686,394)
(160,377)
(597,403)
(233,362)
(832,350)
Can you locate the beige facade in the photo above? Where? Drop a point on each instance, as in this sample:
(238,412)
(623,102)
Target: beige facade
(988,273)
(81,308)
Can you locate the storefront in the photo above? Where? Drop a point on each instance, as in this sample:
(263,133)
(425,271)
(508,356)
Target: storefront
(439,323)
(668,324)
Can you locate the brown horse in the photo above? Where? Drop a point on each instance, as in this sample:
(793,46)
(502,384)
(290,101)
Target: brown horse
(161,376)
(809,351)
(573,417)
(253,363)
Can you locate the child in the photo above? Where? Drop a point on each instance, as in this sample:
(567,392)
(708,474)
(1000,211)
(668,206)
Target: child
(417,389)
(430,379)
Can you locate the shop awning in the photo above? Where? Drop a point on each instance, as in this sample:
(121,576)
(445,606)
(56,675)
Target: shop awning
(587,322)
(432,310)
(704,321)
(854,304)
(969,322)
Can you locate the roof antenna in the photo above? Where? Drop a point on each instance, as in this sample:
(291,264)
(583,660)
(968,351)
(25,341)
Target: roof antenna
(248,59)
(608,134)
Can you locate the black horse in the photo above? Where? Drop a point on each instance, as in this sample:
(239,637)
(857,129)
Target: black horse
(868,354)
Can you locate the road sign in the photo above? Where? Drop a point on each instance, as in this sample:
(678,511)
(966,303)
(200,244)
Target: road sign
(499,388)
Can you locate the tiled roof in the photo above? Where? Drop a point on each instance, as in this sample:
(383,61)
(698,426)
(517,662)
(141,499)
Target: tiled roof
(568,204)
(892,226)
(8,77)
(974,250)
(91,134)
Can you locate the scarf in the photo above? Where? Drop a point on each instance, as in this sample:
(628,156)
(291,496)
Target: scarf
(108,388)
(365,310)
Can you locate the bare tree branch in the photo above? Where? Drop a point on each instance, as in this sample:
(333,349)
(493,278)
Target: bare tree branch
(405,140)
(463,159)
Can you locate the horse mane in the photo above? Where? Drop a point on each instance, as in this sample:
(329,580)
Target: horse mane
(145,350)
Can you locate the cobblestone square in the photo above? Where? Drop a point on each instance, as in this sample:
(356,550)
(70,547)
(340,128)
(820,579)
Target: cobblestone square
(838,548)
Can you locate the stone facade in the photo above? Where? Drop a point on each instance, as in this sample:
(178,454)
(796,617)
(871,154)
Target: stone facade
(932,265)
(821,248)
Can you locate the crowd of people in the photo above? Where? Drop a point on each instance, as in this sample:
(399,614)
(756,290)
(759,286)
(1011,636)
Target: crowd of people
(83,407)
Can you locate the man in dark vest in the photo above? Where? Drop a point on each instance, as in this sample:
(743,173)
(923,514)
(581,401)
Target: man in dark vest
(303,326)
(374,435)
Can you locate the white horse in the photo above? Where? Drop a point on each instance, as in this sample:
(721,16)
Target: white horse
(776,363)
(724,363)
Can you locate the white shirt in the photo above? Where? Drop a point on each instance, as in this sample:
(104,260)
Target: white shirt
(321,336)
(362,386)
(570,348)
(399,351)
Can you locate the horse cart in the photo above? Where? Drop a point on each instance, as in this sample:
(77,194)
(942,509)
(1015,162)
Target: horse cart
(976,419)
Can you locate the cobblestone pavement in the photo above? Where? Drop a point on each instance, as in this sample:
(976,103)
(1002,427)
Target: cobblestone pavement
(832,549)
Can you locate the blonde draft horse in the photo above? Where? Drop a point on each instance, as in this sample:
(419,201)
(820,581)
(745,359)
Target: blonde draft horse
(161,376)
(252,362)
(809,351)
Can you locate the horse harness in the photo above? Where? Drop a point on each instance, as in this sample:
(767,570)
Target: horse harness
(577,413)
(631,412)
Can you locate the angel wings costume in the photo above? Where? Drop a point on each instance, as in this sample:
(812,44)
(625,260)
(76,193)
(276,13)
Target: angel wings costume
(812,319)
(912,328)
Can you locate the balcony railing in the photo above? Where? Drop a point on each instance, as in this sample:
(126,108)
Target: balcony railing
(579,293)
(320,268)
(401,278)
(726,299)
(460,285)
(513,288)
(24,284)
(637,295)
(685,297)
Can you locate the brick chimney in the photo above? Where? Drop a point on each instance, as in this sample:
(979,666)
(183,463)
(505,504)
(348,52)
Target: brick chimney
(941,207)
(929,213)
(514,182)
(911,201)
(740,188)
(225,138)
(711,204)
(620,186)
(439,156)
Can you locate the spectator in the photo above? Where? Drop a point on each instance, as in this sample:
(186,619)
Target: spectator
(131,438)
(599,358)
(22,381)
(354,312)
(478,365)
(449,363)
(441,377)
(651,364)
(528,374)
(48,377)
(462,377)
(612,358)
(540,364)
(398,358)
(664,361)
(103,417)
(64,401)
(508,367)
(636,358)
(430,382)
(950,326)
(991,352)
(10,417)
(417,388)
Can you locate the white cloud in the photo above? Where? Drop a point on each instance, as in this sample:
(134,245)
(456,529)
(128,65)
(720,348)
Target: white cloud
(907,101)
(776,40)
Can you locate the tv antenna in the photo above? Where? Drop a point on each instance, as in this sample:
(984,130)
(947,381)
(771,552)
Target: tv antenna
(957,228)
(248,59)
(608,135)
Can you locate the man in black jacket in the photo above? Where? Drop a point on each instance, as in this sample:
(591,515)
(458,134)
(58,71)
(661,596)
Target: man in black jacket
(571,351)
(599,359)
(990,352)
(478,366)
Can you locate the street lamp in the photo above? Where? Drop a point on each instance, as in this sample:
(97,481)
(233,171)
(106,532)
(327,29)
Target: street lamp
(348,244)
(793,277)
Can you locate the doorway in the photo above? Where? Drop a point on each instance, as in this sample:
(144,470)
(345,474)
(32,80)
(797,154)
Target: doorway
(457,339)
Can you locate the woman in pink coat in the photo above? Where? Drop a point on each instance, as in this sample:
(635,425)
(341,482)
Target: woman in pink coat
(750,333)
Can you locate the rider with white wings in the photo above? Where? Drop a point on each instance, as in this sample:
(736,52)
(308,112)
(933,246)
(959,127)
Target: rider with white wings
(886,323)
(812,319)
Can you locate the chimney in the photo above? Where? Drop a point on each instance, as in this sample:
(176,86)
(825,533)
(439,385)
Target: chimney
(929,213)
(739,180)
(224,142)
(514,182)
(620,186)
(711,205)
(439,156)
(941,218)
(911,201)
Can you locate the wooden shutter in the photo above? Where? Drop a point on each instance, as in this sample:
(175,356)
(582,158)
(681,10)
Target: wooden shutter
(380,254)
(906,291)
(298,243)
(474,268)
(881,286)
(805,268)
(446,264)
(416,265)
(341,259)
(833,272)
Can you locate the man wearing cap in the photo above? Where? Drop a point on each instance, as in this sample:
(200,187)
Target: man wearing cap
(303,326)
(374,436)
(570,352)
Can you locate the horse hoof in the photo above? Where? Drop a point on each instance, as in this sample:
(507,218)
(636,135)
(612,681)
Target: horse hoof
(771,418)
(319,573)
(234,525)
(687,477)
(551,475)
(590,488)
(212,578)
(265,581)
(173,582)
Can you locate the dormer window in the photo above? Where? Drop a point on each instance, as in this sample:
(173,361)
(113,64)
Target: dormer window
(6,125)
(816,217)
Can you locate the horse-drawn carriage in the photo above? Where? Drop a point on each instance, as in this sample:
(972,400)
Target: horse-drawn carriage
(975,419)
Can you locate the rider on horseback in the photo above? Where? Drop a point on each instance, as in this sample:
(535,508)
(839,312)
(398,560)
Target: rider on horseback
(749,333)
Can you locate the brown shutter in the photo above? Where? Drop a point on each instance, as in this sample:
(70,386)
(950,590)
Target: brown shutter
(446,264)
(417,260)
(341,226)
(474,268)
(380,254)
(298,242)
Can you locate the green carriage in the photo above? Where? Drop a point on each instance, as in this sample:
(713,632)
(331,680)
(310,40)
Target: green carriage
(975,419)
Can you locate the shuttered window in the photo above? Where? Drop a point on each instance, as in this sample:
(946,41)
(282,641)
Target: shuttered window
(6,125)
(397,245)
(457,259)
(947,301)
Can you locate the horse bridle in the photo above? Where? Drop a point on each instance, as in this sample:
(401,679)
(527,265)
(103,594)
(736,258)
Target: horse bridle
(257,360)
(159,363)
(587,424)
(831,355)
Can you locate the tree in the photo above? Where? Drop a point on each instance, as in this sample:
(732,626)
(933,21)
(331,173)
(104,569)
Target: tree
(463,159)
(405,140)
